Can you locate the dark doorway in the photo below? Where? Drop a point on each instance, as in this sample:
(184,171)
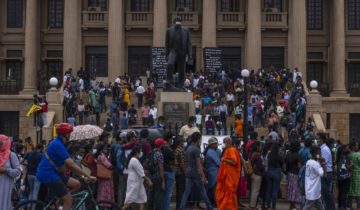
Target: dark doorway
(354,126)
(96,61)
(272,57)
(354,79)
(139,59)
(9,123)
(231,58)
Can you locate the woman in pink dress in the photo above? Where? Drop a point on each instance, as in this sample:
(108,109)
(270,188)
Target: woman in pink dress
(105,189)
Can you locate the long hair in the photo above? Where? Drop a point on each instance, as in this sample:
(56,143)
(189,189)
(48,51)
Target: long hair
(100,147)
(136,150)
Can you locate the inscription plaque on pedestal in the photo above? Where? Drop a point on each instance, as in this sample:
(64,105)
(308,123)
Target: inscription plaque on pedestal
(176,112)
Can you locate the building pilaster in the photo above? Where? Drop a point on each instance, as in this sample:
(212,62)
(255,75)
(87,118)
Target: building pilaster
(32,32)
(160,23)
(72,57)
(338,52)
(209,24)
(116,39)
(253,35)
(297,36)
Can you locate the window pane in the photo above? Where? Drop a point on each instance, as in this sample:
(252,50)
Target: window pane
(354,79)
(315,72)
(56,13)
(230,6)
(354,14)
(14,13)
(96,60)
(185,5)
(9,123)
(13,70)
(140,5)
(273,4)
(315,14)
(98,3)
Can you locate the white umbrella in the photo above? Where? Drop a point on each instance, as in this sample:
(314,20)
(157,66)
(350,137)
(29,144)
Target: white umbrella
(85,132)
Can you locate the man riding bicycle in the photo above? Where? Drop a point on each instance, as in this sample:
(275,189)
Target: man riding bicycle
(52,166)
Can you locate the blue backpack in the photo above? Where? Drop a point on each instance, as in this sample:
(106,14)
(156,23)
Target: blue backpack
(301,179)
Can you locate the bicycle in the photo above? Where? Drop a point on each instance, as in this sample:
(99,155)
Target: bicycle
(81,200)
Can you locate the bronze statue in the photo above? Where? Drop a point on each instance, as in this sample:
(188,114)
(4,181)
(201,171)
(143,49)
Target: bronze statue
(178,52)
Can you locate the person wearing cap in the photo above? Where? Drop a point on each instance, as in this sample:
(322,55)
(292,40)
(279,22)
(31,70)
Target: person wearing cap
(228,177)
(178,50)
(212,163)
(169,173)
(156,193)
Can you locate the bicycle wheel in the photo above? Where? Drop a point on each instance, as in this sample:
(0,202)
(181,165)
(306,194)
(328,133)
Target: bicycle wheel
(104,205)
(30,205)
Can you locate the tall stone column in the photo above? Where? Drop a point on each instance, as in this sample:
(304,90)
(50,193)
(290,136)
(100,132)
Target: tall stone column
(116,39)
(32,33)
(209,24)
(338,52)
(297,36)
(72,35)
(253,35)
(160,23)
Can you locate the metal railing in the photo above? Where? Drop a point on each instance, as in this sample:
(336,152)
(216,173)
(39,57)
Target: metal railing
(139,19)
(274,20)
(9,87)
(189,19)
(95,19)
(230,20)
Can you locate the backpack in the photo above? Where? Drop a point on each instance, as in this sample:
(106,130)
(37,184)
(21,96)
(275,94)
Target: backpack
(265,160)
(301,179)
(343,171)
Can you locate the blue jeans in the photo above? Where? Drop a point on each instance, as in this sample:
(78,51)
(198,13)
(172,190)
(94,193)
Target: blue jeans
(34,186)
(273,179)
(327,191)
(140,100)
(170,181)
(196,182)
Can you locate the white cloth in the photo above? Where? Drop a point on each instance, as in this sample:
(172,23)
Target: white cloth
(230,97)
(81,84)
(140,90)
(195,82)
(153,112)
(197,103)
(117,80)
(135,190)
(313,175)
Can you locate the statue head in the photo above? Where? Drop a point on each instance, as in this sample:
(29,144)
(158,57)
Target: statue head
(177,21)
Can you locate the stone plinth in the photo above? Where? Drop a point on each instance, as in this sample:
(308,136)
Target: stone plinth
(53,96)
(180,102)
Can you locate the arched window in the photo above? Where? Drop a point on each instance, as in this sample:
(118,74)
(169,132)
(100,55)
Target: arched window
(273,4)
(230,5)
(140,5)
(185,5)
(97,3)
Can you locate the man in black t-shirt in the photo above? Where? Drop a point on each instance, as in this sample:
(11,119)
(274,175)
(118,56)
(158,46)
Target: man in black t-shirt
(33,160)
(169,173)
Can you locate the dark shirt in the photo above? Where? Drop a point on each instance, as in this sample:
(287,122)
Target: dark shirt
(274,161)
(33,160)
(292,161)
(191,155)
(257,164)
(169,158)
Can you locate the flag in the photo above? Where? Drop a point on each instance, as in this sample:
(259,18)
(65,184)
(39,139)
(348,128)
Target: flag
(54,130)
(33,108)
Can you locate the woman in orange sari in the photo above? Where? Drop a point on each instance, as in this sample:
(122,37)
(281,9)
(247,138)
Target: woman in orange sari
(239,126)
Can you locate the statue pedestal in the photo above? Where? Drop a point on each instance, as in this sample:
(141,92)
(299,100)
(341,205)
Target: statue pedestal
(176,107)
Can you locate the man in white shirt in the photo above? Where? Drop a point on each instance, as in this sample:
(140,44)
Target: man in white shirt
(153,111)
(230,98)
(189,128)
(197,103)
(314,171)
(140,93)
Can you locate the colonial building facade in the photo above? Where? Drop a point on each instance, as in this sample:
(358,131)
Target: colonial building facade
(40,39)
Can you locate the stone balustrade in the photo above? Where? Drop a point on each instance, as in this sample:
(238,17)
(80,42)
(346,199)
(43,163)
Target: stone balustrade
(139,20)
(230,20)
(189,19)
(274,20)
(95,19)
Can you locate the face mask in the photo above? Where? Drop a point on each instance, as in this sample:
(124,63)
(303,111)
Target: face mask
(302,144)
(79,157)
(318,157)
(141,154)
(185,144)
(94,151)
